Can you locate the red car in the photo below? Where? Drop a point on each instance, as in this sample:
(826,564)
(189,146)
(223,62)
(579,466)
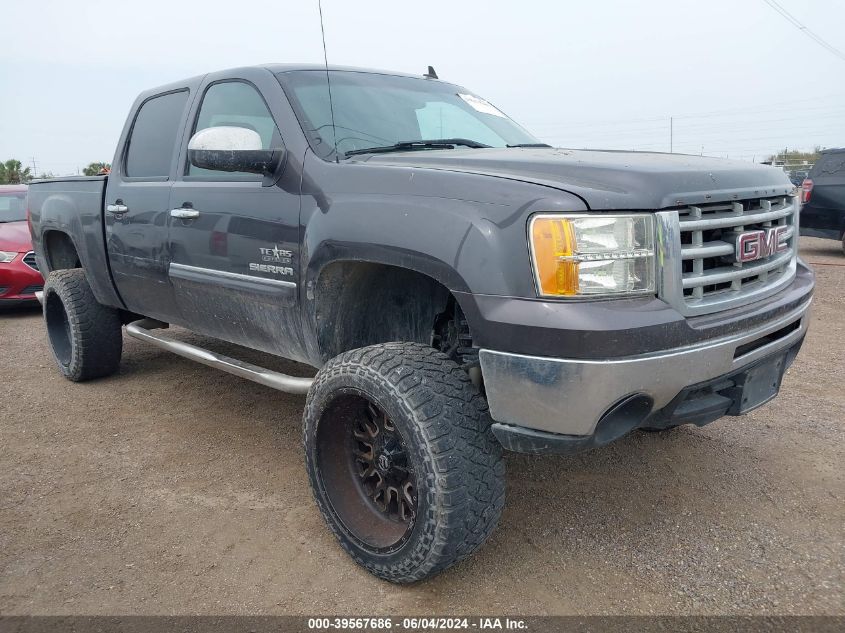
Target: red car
(19,276)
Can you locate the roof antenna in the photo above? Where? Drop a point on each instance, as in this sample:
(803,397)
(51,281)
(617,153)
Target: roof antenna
(431,74)
(328,81)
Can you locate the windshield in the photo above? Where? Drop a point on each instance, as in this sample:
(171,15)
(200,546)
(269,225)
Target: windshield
(12,207)
(372,110)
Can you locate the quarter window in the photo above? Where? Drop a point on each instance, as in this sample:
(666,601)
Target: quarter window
(154,135)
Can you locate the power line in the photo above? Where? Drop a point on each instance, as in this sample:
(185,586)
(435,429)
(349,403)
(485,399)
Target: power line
(733,139)
(739,128)
(748,149)
(799,117)
(794,21)
(771,105)
(751,110)
(772,138)
(682,136)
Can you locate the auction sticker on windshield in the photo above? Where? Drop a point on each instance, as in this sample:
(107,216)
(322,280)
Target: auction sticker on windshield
(481,105)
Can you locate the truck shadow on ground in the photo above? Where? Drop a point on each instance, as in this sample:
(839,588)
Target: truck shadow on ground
(647,508)
(208,468)
(196,477)
(644,493)
(822,248)
(23,311)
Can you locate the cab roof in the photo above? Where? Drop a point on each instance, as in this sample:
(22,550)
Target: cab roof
(276,69)
(283,68)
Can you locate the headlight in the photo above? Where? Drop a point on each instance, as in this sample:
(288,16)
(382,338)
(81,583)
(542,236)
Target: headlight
(592,255)
(7,256)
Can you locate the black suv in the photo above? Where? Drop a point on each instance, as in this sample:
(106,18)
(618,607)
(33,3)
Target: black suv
(823,213)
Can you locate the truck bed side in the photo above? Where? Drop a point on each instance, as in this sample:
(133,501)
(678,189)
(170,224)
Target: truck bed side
(68,231)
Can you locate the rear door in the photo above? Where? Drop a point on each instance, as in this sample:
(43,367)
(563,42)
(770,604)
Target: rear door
(137,204)
(235,260)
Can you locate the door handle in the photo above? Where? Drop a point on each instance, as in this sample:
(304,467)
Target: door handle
(117,209)
(184,214)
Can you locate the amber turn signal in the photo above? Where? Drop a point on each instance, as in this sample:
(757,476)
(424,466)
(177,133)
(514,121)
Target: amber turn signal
(553,240)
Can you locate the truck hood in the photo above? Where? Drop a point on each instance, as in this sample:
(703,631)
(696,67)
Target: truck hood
(14,236)
(607,179)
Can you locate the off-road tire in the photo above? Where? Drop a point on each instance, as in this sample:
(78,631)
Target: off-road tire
(445,423)
(85,336)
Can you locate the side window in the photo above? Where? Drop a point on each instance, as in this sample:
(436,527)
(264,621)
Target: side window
(832,164)
(13,207)
(235,104)
(154,135)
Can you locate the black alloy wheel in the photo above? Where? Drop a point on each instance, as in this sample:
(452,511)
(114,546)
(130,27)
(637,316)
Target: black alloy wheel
(401,459)
(366,471)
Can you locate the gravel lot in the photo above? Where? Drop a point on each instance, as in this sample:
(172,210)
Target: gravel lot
(172,488)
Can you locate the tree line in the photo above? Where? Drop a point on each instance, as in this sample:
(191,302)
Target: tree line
(12,172)
(795,157)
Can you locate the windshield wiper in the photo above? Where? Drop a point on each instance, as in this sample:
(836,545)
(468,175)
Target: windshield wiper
(530,145)
(401,146)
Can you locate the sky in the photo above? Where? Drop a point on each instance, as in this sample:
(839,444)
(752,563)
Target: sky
(736,78)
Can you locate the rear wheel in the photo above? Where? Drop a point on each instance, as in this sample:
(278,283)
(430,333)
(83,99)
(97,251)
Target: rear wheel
(401,459)
(85,336)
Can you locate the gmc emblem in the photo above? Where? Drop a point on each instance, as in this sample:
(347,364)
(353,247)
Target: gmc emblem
(758,244)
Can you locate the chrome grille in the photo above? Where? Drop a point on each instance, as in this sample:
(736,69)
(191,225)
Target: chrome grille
(700,272)
(29,260)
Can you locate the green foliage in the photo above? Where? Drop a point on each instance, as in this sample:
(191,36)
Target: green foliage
(95,169)
(794,158)
(11,173)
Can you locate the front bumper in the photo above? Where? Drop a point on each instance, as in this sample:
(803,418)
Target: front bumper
(592,402)
(18,282)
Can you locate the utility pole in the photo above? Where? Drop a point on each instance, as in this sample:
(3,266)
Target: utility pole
(671,135)
(34,168)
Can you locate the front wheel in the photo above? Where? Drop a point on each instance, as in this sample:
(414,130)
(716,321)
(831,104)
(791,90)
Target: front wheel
(401,459)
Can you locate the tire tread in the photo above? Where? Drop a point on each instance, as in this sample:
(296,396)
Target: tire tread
(466,460)
(95,329)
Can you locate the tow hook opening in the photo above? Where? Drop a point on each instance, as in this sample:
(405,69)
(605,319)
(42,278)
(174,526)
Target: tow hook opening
(623,417)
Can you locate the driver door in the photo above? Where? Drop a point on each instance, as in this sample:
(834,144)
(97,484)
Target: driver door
(234,236)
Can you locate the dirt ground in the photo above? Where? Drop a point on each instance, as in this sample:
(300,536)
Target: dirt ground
(173,488)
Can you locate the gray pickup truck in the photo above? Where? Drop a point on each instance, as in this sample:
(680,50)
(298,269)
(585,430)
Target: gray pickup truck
(461,287)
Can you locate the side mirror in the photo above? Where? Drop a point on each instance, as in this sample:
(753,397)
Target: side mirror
(230,148)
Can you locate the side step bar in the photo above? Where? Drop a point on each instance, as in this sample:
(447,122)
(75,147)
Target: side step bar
(289,384)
